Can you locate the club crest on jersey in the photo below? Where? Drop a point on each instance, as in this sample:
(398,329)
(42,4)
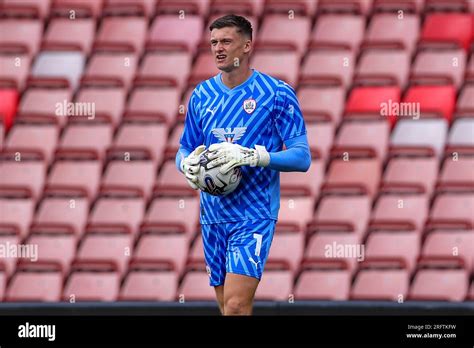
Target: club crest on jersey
(229,135)
(250,105)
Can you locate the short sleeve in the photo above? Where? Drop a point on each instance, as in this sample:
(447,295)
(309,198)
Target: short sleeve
(192,135)
(289,120)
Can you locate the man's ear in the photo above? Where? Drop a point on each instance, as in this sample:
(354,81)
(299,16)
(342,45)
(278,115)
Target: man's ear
(247,46)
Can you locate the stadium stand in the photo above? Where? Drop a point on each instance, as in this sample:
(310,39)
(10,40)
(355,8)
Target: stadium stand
(99,193)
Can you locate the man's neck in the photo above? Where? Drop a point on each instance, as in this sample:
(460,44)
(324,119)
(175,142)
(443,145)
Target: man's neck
(236,77)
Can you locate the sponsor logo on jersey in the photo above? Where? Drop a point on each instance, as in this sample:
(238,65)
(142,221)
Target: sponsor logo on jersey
(228,134)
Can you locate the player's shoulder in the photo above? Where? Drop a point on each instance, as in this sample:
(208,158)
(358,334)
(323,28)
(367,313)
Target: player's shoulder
(279,86)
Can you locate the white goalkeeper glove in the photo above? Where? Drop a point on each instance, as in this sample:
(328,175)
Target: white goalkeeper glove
(190,166)
(231,155)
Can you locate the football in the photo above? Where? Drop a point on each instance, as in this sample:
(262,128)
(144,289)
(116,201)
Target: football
(213,181)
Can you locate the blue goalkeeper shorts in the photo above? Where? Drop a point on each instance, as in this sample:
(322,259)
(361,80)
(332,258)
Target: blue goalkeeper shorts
(238,247)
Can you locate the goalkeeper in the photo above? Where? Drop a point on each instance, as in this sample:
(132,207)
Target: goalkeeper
(244,118)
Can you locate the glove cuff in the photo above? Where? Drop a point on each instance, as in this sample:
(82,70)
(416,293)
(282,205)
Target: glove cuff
(263,156)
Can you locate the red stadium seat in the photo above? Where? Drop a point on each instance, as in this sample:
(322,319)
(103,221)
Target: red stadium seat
(158,102)
(162,34)
(92,281)
(136,173)
(283,65)
(34,132)
(351,174)
(369,101)
(400,244)
(289,247)
(125,7)
(25,168)
(457,173)
(400,207)
(195,286)
(14,70)
(369,134)
(320,138)
(415,6)
(81,7)
(452,210)
(326,67)
(386,30)
(169,183)
(458,32)
(8,106)
(74,169)
(158,68)
(295,213)
(381,284)
(250,7)
(36,282)
(203,69)
(445,67)
(55,244)
(335,246)
(349,6)
(128,31)
(149,281)
(276,283)
(303,7)
(445,243)
(24,34)
(105,243)
(343,213)
(33,8)
(106,101)
(383,67)
(123,206)
(174,214)
(61,208)
(280,30)
(412,172)
(321,103)
(9,235)
(159,246)
(297,183)
(87,136)
(46,102)
(200,7)
(74,33)
(320,280)
(439,284)
(344,31)
(173,143)
(111,69)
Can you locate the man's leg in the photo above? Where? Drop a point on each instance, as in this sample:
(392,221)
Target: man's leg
(239,291)
(248,247)
(220,297)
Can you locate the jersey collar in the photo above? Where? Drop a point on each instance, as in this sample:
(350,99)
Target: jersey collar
(238,87)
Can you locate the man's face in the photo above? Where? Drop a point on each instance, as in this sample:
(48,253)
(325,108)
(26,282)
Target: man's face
(229,48)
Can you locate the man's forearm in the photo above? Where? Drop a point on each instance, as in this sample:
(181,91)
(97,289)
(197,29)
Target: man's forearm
(296,159)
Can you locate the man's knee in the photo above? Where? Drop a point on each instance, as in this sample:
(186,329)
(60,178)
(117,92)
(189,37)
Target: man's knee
(237,306)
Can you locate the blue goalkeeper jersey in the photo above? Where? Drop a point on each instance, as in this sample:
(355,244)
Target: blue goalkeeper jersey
(261,111)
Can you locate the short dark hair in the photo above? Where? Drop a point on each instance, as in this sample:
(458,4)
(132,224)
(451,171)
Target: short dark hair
(241,23)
